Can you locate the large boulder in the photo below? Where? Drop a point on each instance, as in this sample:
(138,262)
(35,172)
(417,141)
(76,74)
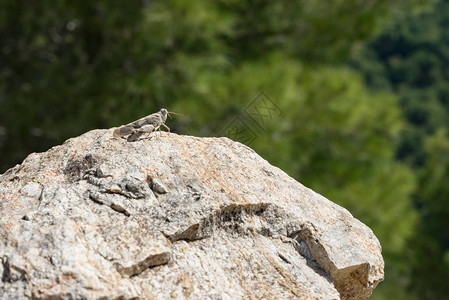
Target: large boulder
(174,217)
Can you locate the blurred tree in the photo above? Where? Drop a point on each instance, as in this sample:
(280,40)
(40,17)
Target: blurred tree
(431,263)
(63,60)
(62,65)
(411,59)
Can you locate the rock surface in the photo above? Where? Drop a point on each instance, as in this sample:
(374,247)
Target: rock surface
(174,217)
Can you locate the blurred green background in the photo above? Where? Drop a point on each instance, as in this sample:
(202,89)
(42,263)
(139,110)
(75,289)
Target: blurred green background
(361,89)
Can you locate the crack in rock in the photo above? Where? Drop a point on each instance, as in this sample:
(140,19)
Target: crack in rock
(150,262)
(101,199)
(231,218)
(154,250)
(243,219)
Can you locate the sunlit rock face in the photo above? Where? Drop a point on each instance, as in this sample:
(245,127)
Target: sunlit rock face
(174,217)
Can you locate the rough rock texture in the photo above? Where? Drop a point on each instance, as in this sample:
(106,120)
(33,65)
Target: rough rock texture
(174,217)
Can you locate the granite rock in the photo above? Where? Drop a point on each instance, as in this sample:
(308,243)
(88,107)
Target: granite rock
(174,217)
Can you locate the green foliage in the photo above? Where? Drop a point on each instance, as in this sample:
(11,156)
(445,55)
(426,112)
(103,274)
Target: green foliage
(61,65)
(318,31)
(411,58)
(432,241)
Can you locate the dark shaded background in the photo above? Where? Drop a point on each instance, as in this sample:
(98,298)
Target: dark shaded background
(349,97)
